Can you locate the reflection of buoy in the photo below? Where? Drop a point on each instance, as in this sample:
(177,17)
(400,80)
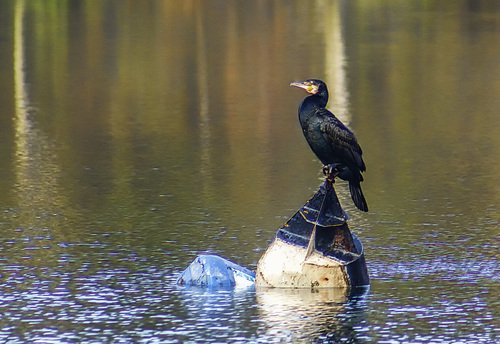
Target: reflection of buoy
(328,315)
(314,249)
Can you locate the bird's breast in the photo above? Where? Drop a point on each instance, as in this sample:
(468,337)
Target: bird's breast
(317,141)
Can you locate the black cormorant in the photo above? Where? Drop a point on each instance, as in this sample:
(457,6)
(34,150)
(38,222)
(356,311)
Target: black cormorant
(332,142)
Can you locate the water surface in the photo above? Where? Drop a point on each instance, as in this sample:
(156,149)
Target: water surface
(135,135)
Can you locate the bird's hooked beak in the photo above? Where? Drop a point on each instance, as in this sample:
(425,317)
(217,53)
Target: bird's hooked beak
(306,85)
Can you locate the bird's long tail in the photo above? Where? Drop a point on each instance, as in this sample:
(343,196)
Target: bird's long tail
(357,196)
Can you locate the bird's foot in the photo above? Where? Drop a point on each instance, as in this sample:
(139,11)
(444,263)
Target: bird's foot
(330,171)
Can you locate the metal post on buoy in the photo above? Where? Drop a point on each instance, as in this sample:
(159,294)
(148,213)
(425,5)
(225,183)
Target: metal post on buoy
(314,248)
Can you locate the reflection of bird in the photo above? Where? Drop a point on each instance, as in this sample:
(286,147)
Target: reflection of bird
(332,142)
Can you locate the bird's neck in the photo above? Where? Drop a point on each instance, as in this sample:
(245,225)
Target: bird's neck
(310,104)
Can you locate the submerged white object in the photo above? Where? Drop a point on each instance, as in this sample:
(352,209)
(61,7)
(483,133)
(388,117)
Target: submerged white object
(215,272)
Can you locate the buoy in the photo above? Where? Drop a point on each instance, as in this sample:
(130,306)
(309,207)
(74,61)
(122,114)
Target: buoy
(314,249)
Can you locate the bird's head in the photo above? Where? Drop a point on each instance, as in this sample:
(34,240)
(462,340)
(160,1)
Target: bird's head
(317,89)
(312,86)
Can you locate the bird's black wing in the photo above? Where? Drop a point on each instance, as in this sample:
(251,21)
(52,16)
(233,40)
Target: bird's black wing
(342,140)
